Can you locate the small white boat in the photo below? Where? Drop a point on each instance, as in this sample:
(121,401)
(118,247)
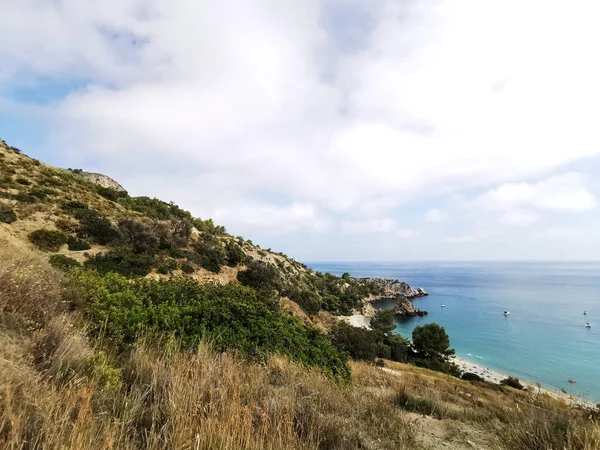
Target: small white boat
(479,357)
(443,306)
(468,354)
(585,313)
(506,313)
(588,325)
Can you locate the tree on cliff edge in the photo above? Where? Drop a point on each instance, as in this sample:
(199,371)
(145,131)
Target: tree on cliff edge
(431,339)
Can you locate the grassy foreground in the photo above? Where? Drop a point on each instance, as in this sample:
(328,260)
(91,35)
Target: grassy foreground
(60,389)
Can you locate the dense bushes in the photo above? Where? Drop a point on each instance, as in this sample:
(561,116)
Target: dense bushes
(513,383)
(260,275)
(469,376)
(7,214)
(231,317)
(211,253)
(95,226)
(122,260)
(48,239)
(110,193)
(76,244)
(359,343)
(432,340)
(308,300)
(235,254)
(63,262)
(154,208)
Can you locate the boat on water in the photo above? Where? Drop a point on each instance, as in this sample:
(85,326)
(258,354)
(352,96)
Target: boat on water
(588,325)
(443,306)
(506,313)
(572,381)
(585,313)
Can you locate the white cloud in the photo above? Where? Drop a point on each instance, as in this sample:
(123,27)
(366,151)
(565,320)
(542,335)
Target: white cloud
(562,193)
(436,98)
(436,215)
(276,220)
(378,227)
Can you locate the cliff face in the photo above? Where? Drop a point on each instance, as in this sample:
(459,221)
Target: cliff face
(102,180)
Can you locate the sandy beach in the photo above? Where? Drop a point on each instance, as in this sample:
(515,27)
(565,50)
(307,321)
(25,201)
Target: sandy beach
(495,376)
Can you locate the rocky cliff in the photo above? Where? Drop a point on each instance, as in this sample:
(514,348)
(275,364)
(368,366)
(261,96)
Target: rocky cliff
(102,180)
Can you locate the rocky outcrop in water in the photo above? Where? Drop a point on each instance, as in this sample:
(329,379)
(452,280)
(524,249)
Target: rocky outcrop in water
(405,308)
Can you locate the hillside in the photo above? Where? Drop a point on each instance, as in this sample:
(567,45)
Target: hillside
(128,323)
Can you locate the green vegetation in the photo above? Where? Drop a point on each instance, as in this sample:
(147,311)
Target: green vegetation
(230,317)
(513,383)
(63,262)
(49,240)
(432,340)
(7,214)
(111,194)
(94,226)
(76,244)
(469,376)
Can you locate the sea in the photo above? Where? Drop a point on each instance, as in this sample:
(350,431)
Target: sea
(543,340)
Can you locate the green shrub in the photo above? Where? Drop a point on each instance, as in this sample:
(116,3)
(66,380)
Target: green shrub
(309,301)
(7,214)
(121,260)
(359,343)
(25,198)
(231,317)
(259,275)
(76,244)
(211,254)
(110,193)
(154,208)
(48,239)
(95,226)
(186,268)
(235,254)
(513,383)
(469,376)
(97,369)
(63,262)
(42,193)
(164,267)
(72,206)
(138,235)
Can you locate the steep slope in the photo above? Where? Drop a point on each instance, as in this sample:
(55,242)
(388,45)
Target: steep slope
(158,330)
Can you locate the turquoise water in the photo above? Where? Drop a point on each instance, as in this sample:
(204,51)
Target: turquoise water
(543,340)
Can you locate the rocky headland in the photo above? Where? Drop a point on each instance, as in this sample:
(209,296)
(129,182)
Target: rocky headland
(400,291)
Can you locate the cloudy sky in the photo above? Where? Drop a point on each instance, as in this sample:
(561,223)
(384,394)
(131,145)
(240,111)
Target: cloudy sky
(328,129)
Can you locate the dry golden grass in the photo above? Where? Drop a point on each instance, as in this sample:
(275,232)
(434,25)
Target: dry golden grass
(59,391)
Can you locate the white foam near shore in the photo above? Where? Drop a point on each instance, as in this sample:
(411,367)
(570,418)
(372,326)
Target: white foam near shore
(495,376)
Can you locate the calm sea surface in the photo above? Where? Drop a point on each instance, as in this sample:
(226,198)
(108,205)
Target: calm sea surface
(543,340)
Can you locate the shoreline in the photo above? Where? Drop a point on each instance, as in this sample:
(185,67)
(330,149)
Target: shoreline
(495,376)
(488,374)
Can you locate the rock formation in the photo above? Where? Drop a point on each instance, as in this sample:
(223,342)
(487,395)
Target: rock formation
(392,288)
(405,308)
(102,180)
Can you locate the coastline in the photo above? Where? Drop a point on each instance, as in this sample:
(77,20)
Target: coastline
(495,376)
(488,374)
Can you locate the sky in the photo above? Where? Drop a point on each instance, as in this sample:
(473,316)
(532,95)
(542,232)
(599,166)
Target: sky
(327,129)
